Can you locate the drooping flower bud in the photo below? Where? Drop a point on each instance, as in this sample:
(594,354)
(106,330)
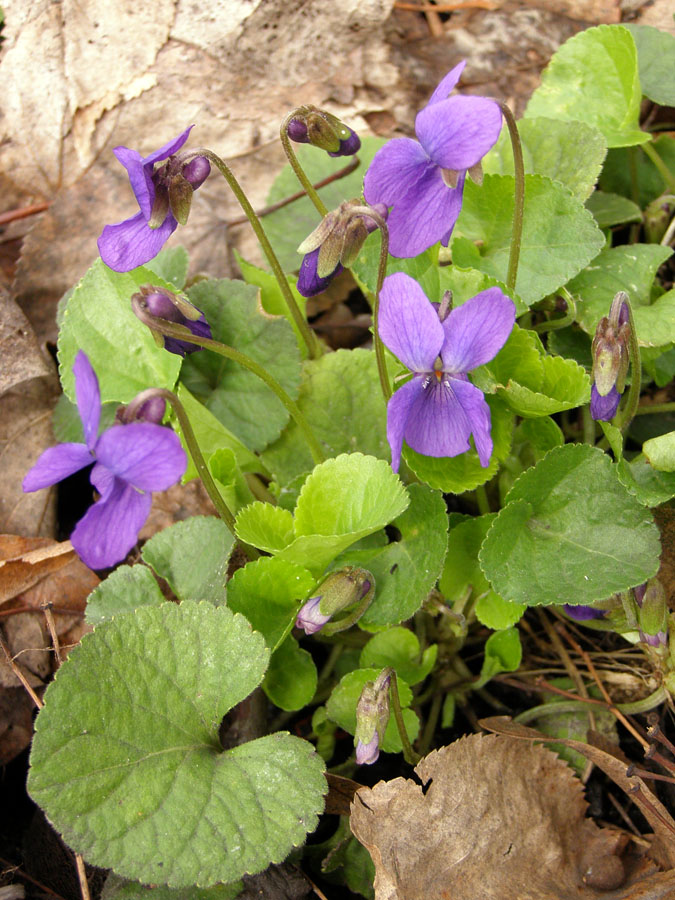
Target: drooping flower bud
(337,592)
(310,125)
(175,182)
(610,350)
(152,411)
(336,242)
(372,717)
(653,614)
(164,304)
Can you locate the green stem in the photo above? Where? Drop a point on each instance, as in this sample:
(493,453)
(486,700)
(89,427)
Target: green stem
(297,168)
(192,445)
(431,723)
(308,335)
(628,412)
(519,197)
(482,500)
(563,321)
(655,408)
(171,329)
(589,426)
(408,753)
(663,170)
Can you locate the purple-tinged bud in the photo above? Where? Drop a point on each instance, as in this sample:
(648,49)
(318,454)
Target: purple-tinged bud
(310,618)
(583,613)
(309,284)
(336,242)
(297,131)
(163,304)
(372,718)
(653,615)
(604,408)
(337,592)
(152,411)
(310,125)
(657,217)
(639,593)
(197,171)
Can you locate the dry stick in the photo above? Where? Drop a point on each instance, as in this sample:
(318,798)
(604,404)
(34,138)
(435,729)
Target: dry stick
(49,618)
(19,674)
(12,215)
(59,610)
(603,690)
(20,874)
(572,670)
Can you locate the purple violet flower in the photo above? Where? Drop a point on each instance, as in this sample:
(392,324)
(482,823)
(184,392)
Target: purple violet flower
(581,613)
(424,180)
(309,282)
(438,409)
(604,408)
(130,461)
(310,618)
(160,304)
(367,754)
(132,243)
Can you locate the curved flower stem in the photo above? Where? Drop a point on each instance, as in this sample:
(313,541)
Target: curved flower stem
(663,170)
(381,273)
(519,198)
(408,753)
(343,624)
(630,409)
(297,168)
(563,321)
(171,329)
(200,463)
(308,335)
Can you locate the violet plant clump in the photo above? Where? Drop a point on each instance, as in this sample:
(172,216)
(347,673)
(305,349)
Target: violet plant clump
(385,513)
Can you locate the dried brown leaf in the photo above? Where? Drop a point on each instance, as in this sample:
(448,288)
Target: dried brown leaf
(25,561)
(16,722)
(490,822)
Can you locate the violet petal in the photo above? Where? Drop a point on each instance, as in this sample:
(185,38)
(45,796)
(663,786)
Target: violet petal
(55,464)
(149,457)
(408,323)
(583,613)
(88,397)
(132,243)
(399,409)
(457,133)
(367,754)
(110,527)
(604,408)
(477,411)
(477,330)
(437,423)
(447,84)
(171,147)
(309,284)
(139,178)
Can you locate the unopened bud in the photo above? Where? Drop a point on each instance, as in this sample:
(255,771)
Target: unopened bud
(372,718)
(610,351)
(653,615)
(322,129)
(336,593)
(163,304)
(657,217)
(152,411)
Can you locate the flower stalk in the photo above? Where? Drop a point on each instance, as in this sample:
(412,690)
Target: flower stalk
(170,329)
(308,335)
(297,168)
(408,753)
(519,197)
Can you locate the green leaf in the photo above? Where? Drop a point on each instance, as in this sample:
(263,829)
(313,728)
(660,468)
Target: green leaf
(656,60)
(398,647)
(456,474)
(660,452)
(632,269)
(288,227)
(569,533)
(269,528)
(99,320)
(593,78)
(406,570)
(230,480)
(542,434)
(271,298)
(124,590)
(235,396)
(341,708)
(503,653)
(127,763)
(173,551)
(290,682)
(171,264)
(212,436)
(649,485)
(269,592)
(496,613)
(423,268)
(341,398)
(116,888)
(572,156)
(560,236)
(612,209)
(620,163)
(531,382)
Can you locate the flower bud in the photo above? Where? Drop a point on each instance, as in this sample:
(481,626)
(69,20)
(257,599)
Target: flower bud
(339,590)
(336,242)
(321,129)
(583,613)
(197,171)
(653,615)
(372,717)
(152,411)
(610,351)
(657,217)
(164,304)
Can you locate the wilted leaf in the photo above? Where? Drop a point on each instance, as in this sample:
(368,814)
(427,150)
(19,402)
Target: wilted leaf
(25,561)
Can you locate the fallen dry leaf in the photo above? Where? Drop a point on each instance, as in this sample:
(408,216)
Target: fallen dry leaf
(491,822)
(25,561)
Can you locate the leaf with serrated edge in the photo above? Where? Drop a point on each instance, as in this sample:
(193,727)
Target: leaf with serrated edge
(400,648)
(291,679)
(569,533)
(124,590)
(660,452)
(116,888)
(267,527)
(173,551)
(127,764)
(560,236)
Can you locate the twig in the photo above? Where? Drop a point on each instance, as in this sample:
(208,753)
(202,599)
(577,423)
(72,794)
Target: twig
(12,215)
(19,674)
(49,618)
